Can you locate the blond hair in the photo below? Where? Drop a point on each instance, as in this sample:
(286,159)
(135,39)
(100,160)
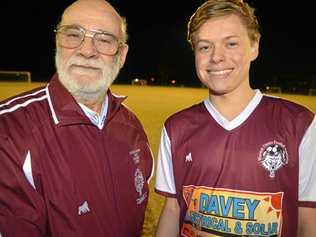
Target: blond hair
(217,8)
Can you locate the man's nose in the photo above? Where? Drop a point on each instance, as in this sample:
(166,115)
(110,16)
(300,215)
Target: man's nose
(218,54)
(87,47)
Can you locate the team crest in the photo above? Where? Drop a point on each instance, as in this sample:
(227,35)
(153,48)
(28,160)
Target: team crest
(139,182)
(273,156)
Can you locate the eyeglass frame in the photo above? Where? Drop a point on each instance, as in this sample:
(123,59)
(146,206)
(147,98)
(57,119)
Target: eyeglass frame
(92,36)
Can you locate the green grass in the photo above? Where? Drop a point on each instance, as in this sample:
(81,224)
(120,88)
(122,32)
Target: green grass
(153,105)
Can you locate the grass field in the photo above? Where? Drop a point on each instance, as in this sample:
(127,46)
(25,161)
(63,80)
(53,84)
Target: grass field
(153,105)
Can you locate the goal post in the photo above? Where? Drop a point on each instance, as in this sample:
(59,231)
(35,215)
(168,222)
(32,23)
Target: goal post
(15,76)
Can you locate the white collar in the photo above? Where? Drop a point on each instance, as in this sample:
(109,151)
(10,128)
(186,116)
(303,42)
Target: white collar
(237,121)
(97,119)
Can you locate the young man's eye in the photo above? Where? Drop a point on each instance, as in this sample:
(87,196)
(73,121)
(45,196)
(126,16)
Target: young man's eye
(232,44)
(203,48)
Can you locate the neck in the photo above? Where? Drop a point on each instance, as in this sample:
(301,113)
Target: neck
(94,105)
(230,106)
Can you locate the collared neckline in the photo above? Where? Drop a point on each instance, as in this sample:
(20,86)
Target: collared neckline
(97,119)
(66,111)
(237,121)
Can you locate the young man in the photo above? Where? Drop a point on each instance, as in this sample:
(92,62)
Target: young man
(74,161)
(240,163)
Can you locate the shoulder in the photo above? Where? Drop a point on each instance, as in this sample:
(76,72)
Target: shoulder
(190,115)
(286,108)
(125,120)
(289,115)
(20,113)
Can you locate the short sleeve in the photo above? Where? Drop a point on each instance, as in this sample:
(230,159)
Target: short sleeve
(307,167)
(165,183)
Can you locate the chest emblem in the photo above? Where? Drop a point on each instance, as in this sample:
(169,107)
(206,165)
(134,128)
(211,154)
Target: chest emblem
(272,157)
(188,157)
(139,182)
(83,209)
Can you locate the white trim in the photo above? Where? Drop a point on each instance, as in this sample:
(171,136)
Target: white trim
(95,118)
(153,166)
(26,103)
(307,165)
(21,97)
(27,169)
(165,178)
(118,96)
(237,121)
(56,121)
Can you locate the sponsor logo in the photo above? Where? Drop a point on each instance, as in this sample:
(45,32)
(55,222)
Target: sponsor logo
(188,157)
(272,157)
(83,209)
(214,212)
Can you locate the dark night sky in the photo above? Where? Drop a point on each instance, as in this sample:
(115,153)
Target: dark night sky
(157,31)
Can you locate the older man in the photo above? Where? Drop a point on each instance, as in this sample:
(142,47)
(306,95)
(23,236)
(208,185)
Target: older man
(74,161)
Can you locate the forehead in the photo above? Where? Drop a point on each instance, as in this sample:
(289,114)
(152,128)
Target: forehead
(222,27)
(93,15)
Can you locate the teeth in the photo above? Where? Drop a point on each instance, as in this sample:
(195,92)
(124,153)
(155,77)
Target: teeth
(218,72)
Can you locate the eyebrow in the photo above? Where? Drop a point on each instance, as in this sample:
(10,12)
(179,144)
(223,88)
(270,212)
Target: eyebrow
(225,38)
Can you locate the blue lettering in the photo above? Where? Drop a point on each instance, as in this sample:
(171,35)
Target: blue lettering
(203,202)
(231,206)
(213,205)
(223,226)
(238,208)
(225,207)
(252,207)
(261,229)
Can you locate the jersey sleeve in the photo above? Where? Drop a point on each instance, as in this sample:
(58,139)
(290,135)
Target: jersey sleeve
(21,207)
(165,183)
(307,167)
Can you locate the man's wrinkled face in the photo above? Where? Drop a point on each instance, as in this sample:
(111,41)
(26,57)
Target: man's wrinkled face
(84,71)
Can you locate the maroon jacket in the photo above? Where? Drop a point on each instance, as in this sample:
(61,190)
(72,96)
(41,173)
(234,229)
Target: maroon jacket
(62,176)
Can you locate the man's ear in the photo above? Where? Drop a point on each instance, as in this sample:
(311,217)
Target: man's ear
(255,49)
(123,54)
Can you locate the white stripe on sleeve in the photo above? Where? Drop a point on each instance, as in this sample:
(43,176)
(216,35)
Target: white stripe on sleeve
(307,165)
(164,176)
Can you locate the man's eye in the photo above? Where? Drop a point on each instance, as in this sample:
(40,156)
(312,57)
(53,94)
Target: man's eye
(203,49)
(232,44)
(73,34)
(105,39)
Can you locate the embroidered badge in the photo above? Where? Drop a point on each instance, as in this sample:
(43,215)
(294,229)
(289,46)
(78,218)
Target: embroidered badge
(188,157)
(273,156)
(135,155)
(139,182)
(84,208)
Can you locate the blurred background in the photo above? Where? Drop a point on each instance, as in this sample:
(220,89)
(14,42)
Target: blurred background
(159,53)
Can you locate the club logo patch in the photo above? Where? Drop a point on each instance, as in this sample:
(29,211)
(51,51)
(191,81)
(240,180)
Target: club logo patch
(139,185)
(273,156)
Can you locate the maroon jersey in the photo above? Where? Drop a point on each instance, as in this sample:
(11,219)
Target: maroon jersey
(244,177)
(60,175)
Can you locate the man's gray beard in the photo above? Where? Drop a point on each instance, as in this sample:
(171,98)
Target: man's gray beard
(87,91)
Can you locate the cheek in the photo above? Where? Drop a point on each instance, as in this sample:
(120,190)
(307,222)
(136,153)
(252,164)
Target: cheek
(201,62)
(64,54)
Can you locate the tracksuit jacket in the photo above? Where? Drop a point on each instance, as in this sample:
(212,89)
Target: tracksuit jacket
(60,175)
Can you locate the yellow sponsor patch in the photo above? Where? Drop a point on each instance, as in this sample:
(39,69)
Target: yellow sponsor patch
(214,212)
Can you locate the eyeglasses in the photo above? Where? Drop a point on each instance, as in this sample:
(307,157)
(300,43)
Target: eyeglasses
(72,36)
